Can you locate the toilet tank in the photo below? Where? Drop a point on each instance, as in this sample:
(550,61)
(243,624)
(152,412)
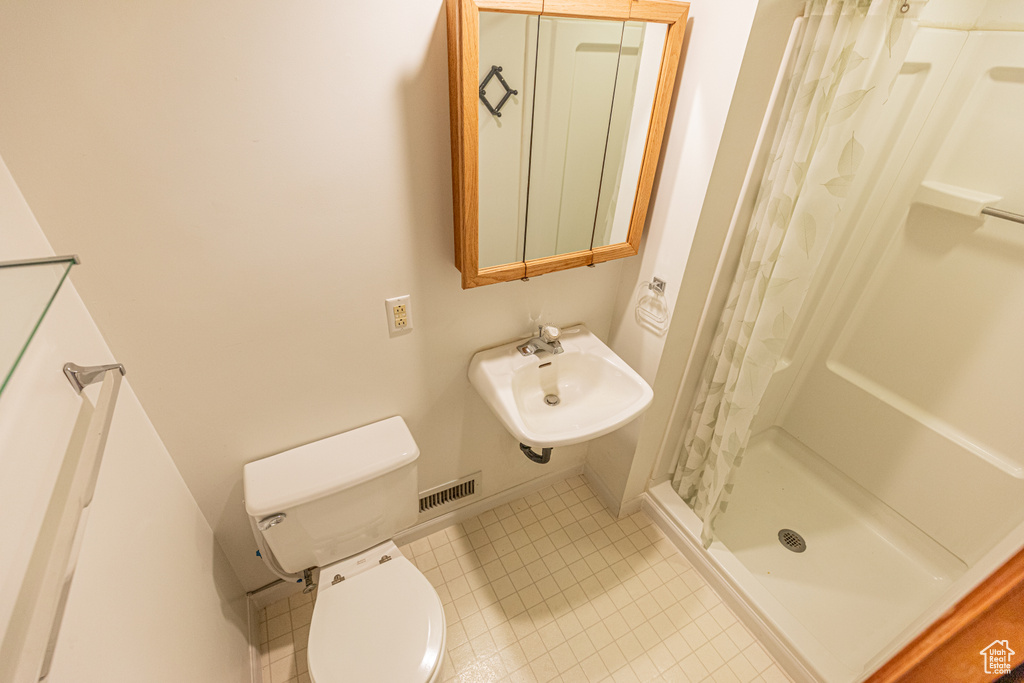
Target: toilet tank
(336,497)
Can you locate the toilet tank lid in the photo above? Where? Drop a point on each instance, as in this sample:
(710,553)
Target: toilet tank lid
(327,466)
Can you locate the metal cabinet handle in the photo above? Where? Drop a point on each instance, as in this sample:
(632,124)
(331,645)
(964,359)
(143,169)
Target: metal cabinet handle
(509,92)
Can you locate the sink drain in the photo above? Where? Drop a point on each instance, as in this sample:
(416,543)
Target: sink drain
(552,400)
(792,540)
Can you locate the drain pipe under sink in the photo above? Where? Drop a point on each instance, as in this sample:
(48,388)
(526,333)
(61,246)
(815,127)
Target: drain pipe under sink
(541,458)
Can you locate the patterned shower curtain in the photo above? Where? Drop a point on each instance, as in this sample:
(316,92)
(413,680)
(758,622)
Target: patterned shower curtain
(846,63)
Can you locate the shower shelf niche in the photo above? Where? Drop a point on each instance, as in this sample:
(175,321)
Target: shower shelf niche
(27,288)
(959,200)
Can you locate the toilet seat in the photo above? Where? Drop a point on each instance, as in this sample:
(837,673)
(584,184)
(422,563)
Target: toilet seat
(384,624)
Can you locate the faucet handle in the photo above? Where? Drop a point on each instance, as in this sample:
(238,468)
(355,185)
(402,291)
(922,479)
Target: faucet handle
(549,333)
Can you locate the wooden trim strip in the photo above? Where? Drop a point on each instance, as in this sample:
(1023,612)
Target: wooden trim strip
(495,274)
(617,10)
(455,121)
(514,6)
(469,67)
(611,252)
(659,11)
(656,129)
(550,264)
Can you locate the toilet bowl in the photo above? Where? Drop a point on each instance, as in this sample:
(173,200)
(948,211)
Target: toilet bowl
(335,504)
(381,622)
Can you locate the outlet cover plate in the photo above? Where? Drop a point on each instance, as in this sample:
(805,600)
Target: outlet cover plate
(399,315)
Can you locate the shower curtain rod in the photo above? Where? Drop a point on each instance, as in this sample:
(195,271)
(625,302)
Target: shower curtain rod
(1005,215)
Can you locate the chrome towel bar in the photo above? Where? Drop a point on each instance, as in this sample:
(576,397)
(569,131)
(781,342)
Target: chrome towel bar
(81,377)
(39,607)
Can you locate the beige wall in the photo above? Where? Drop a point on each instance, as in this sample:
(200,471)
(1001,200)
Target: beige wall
(153,597)
(246,182)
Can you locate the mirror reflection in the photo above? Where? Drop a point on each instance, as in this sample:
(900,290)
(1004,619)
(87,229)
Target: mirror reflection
(564,110)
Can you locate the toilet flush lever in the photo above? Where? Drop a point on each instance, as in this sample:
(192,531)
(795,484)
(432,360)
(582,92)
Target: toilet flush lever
(272,520)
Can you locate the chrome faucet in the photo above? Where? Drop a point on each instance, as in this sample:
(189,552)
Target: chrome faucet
(546,340)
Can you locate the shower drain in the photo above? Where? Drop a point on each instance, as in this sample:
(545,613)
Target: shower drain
(792,540)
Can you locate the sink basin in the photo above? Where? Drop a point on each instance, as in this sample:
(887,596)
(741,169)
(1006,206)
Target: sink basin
(593,390)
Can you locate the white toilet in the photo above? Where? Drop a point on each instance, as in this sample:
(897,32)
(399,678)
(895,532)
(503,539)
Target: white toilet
(335,504)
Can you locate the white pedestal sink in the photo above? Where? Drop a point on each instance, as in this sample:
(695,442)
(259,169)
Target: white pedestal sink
(548,400)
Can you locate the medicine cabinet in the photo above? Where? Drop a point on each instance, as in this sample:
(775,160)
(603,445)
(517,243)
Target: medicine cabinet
(558,111)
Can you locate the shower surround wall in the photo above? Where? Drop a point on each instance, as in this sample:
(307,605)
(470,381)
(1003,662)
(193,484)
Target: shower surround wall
(912,388)
(153,596)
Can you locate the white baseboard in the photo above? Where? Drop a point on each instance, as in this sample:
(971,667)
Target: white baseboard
(255,668)
(631,506)
(475,508)
(695,554)
(273,592)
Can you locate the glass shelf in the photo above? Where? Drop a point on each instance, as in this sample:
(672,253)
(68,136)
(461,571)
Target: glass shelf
(27,288)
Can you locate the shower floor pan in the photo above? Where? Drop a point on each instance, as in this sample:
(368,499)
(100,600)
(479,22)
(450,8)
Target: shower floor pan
(864,577)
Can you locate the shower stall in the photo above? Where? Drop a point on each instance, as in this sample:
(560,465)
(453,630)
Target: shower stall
(885,475)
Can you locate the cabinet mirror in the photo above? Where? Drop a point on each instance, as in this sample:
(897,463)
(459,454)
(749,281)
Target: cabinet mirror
(558,114)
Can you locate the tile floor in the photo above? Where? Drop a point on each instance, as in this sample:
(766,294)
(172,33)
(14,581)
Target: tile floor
(284,634)
(552,588)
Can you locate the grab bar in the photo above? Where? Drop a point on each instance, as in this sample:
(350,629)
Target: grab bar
(1005,215)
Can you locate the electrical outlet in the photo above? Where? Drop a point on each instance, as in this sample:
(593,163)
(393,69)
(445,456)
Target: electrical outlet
(399,320)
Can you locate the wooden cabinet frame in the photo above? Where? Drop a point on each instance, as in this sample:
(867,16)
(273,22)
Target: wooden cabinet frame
(463,79)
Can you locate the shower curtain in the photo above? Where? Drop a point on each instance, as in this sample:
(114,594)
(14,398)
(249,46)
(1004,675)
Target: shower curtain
(846,64)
